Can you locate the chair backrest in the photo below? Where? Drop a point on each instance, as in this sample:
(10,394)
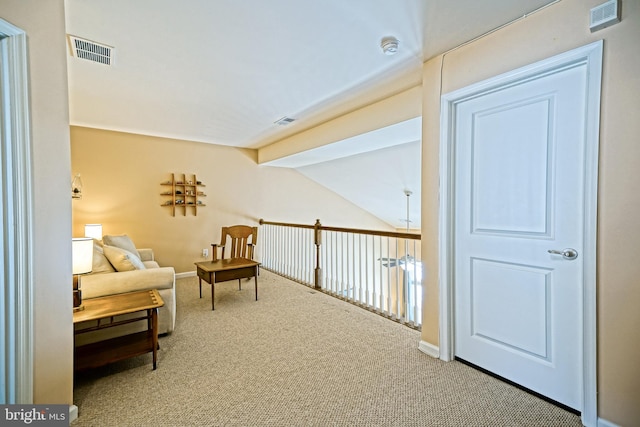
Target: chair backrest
(238,241)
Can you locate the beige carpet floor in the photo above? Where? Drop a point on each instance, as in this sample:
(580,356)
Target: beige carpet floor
(296,357)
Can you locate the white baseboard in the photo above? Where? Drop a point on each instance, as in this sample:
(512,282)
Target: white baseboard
(73,413)
(605,423)
(185,274)
(429,349)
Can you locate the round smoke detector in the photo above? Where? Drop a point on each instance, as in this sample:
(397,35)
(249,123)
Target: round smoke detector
(389,45)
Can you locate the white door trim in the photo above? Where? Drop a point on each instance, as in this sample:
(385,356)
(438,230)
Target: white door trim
(591,56)
(16,254)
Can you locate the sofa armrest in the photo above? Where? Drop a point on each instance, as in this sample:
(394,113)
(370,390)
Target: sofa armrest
(98,285)
(146,254)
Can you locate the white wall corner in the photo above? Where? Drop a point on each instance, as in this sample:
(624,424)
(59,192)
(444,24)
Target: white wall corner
(429,349)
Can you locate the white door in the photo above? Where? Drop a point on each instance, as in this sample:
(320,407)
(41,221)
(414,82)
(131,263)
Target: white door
(519,194)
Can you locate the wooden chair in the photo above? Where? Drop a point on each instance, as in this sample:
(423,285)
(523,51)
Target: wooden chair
(240,241)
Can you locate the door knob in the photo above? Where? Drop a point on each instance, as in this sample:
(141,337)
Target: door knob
(568,253)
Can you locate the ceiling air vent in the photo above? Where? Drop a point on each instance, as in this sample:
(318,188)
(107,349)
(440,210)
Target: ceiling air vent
(284,121)
(91,51)
(605,15)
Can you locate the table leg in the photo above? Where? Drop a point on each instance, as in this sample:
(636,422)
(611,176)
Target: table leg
(255,277)
(154,321)
(213,292)
(200,285)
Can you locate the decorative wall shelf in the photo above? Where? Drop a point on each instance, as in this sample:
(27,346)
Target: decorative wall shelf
(183,191)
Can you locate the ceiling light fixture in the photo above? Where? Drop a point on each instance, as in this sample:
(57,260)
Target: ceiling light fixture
(389,45)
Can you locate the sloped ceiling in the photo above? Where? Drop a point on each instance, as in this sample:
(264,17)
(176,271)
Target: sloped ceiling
(376,179)
(222,72)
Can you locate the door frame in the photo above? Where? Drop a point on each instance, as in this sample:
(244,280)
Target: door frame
(590,56)
(16,187)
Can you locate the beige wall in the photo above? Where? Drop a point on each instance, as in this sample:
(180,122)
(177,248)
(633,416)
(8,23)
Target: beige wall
(559,28)
(122,173)
(53,358)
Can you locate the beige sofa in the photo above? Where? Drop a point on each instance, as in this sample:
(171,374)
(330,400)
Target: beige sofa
(113,274)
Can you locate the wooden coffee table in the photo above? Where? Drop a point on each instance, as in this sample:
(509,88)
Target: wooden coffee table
(222,270)
(103,310)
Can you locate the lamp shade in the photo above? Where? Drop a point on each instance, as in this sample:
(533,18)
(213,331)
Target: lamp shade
(82,254)
(93,231)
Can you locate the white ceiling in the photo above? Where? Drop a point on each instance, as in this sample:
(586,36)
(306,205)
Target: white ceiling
(223,71)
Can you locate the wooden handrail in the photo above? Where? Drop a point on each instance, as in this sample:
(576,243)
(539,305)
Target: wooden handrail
(318,226)
(284,224)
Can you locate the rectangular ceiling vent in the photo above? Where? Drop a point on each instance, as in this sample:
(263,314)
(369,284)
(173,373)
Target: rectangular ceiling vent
(284,121)
(605,15)
(91,51)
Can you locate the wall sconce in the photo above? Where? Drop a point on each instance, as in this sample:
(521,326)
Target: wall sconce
(82,256)
(76,187)
(93,230)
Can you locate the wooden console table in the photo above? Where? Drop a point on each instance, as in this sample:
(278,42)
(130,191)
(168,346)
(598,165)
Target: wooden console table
(222,270)
(104,309)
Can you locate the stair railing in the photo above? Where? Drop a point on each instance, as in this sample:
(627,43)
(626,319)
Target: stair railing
(378,270)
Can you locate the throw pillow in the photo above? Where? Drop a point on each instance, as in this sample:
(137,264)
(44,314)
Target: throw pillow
(121,241)
(100,262)
(122,259)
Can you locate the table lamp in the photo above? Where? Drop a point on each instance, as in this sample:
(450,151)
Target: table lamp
(82,255)
(93,230)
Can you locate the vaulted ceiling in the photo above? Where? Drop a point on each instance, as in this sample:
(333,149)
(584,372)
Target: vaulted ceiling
(223,71)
